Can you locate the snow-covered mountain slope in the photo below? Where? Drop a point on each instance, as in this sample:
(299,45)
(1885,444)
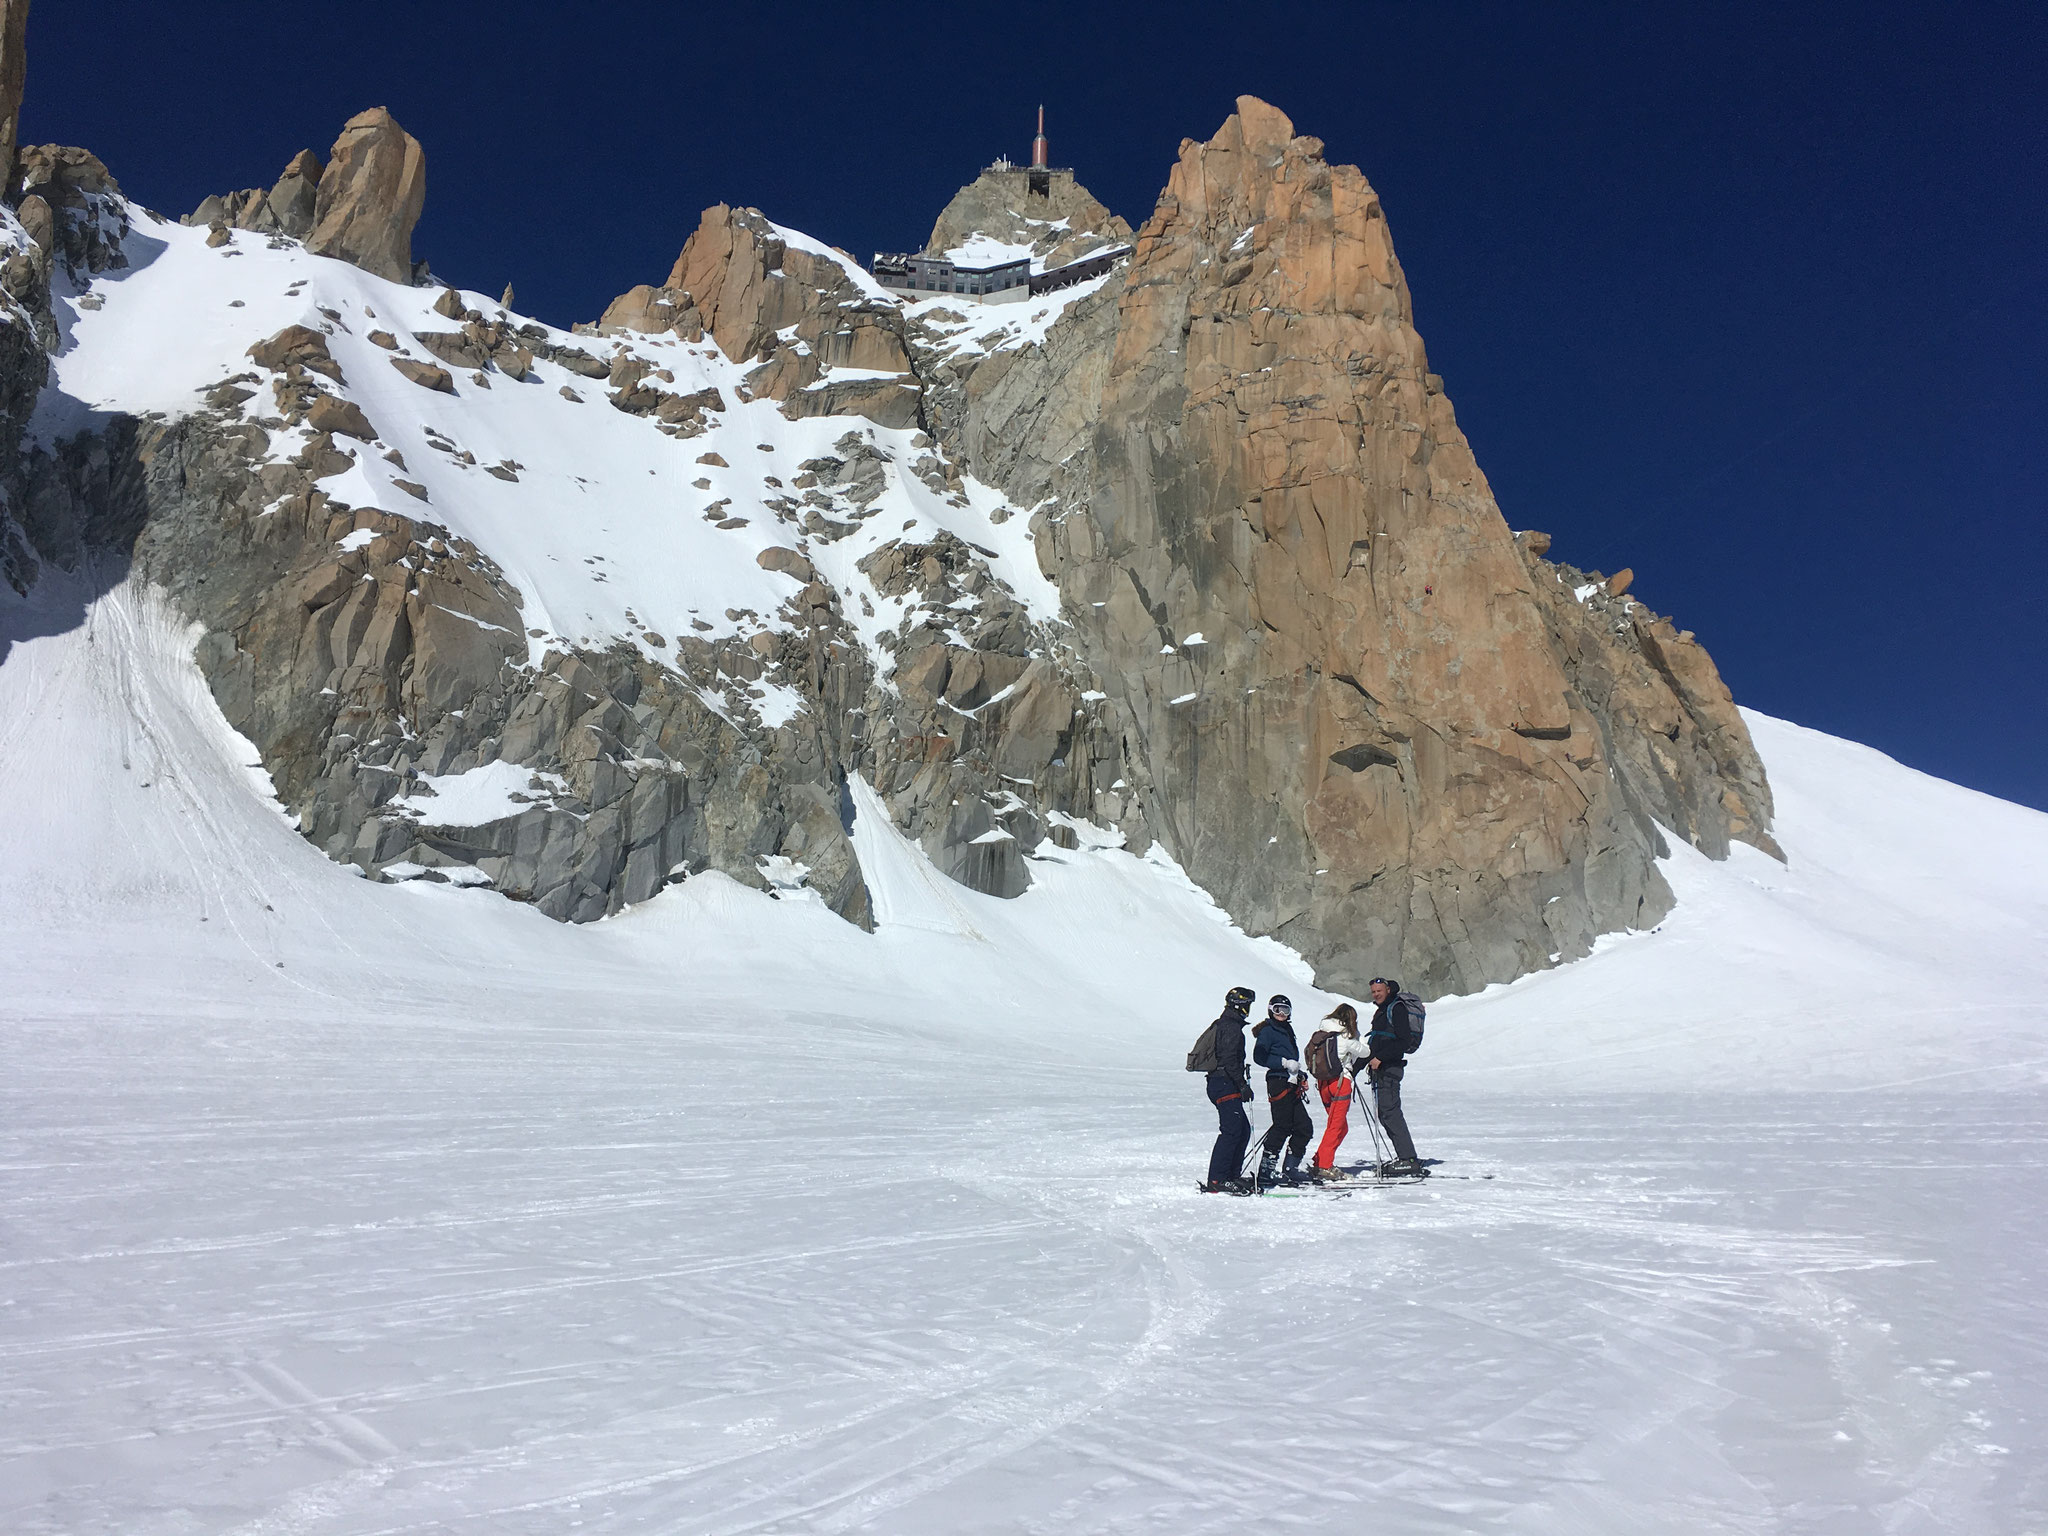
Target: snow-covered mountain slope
(602,523)
(1908,915)
(1901,943)
(337,1207)
(570,615)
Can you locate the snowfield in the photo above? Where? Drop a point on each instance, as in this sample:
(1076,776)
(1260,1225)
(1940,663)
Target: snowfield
(334,1207)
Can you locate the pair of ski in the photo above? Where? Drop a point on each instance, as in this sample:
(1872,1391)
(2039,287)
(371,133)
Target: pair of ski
(1362,1176)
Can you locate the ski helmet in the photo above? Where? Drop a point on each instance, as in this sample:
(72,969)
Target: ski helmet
(1279,1006)
(1239,998)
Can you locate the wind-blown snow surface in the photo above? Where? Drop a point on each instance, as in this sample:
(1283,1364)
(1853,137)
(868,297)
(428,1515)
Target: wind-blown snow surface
(332,1207)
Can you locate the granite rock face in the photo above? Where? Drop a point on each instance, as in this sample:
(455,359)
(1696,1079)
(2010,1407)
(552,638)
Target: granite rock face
(1048,211)
(284,209)
(1359,719)
(369,197)
(797,311)
(364,667)
(1671,735)
(67,216)
(13,79)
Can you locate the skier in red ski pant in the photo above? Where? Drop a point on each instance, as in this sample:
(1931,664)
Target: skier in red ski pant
(1337,1092)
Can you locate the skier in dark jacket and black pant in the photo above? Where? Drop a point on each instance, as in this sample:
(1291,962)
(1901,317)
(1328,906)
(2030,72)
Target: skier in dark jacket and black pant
(1387,1048)
(1230,1090)
(1278,1053)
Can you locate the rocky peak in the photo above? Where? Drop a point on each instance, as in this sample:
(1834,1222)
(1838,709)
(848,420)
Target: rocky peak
(798,307)
(1360,718)
(1004,207)
(369,197)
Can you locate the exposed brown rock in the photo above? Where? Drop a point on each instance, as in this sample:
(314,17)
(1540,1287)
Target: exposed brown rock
(370,197)
(329,413)
(454,347)
(298,345)
(72,209)
(1620,581)
(293,199)
(578,362)
(426,375)
(743,284)
(285,209)
(647,308)
(1063,223)
(788,561)
(320,458)
(13,76)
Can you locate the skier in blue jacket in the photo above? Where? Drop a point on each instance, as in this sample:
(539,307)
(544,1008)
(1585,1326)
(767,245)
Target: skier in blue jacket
(1274,1048)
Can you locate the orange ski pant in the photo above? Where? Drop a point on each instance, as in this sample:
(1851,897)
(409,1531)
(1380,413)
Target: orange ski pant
(1336,1108)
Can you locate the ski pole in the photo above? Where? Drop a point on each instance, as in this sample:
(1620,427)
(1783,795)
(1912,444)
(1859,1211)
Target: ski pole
(1381,1148)
(1253,1141)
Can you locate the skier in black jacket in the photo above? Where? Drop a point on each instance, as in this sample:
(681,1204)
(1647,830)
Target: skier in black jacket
(1387,1045)
(1230,1090)
(1278,1053)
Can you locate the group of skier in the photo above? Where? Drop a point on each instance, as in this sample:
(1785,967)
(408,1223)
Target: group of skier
(1338,1054)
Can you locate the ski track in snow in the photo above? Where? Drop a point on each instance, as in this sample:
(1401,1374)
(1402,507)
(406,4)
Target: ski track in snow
(336,1208)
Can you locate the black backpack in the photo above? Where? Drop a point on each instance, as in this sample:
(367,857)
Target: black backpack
(1203,1057)
(1416,1014)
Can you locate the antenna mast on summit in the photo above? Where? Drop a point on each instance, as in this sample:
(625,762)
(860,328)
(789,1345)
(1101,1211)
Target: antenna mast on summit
(1040,155)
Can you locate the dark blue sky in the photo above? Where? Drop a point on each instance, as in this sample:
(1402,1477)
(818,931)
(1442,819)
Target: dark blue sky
(1753,300)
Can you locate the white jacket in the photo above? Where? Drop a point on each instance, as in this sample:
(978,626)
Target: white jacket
(1351,1054)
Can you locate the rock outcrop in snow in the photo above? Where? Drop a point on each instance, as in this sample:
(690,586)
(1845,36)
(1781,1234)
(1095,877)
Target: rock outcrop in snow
(283,209)
(1193,551)
(370,196)
(798,310)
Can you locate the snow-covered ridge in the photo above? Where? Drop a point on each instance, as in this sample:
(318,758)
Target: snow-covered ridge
(610,529)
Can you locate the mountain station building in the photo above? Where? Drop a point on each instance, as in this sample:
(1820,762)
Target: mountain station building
(1005,282)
